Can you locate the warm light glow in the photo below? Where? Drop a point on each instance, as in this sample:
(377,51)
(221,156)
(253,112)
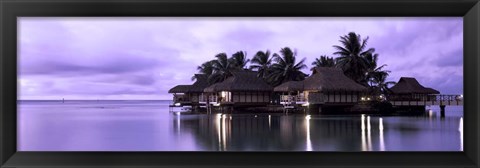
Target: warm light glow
(368,98)
(224,94)
(363,98)
(380,125)
(368,122)
(306,104)
(269,121)
(218,128)
(363,122)
(178,122)
(364,142)
(309,141)
(382,141)
(369,135)
(224,134)
(177,104)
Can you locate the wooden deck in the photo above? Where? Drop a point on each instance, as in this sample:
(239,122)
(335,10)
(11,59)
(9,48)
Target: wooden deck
(440,100)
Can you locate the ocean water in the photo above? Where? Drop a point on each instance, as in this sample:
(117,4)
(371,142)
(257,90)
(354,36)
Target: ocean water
(150,126)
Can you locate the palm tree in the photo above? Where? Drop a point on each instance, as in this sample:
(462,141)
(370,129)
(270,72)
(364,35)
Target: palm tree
(380,85)
(351,56)
(324,61)
(261,62)
(376,76)
(239,60)
(285,68)
(206,68)
(222,67)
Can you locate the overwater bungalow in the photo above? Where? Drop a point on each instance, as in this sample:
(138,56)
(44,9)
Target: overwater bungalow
(292,93)
(409,88)
(243,88)
(190,94)
(326,88)
(408,95)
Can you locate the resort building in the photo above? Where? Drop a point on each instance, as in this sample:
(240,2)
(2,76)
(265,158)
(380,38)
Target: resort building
(326,88)
(408,88)
(190,94)
(243,88)
(409,96)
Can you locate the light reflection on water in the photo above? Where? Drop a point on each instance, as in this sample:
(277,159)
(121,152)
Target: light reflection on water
(150,127)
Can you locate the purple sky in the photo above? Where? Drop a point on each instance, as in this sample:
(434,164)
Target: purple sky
(142,58)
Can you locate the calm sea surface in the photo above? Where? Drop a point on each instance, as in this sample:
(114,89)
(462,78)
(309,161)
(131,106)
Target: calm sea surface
(149,126)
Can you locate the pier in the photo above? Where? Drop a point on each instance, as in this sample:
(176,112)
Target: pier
(430,100)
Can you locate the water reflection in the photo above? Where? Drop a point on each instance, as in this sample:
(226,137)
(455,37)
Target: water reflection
(292,132)
(460,129)
(309,141)
(380,128)
(269,121)
(364,142)
(366,139)
(149,127)
(369,135)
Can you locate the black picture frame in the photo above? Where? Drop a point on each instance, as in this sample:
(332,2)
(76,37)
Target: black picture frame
(11,9)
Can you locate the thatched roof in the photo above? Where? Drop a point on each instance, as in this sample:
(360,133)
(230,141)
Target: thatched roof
(180,89)
(197,87)
(407,85)
(327,79)
(241,81)
(200,83)
(290,86)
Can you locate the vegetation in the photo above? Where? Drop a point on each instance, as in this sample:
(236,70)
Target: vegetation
(262,63)
(376,76)
(239,60)
(351,58)
(323,61)
(285,68)
(356,60)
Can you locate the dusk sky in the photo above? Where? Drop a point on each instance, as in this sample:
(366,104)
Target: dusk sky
(142,58)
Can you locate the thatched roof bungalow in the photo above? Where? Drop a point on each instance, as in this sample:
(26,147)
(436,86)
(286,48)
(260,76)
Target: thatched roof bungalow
(180,89)
(290,86)
(242,88)
(190,94)
(326,85)
(328,79)
(409,88)
(408,85)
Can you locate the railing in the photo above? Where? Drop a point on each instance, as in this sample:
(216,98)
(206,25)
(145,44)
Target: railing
(442,100)
(291,99)
(448,97)
(181,98)
(213,98)
(202,98)
(301,98)
(425,97)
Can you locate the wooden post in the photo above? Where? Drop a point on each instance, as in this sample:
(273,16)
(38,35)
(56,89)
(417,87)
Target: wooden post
(442,111)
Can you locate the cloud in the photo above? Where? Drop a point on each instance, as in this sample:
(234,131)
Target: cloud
(142,58)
